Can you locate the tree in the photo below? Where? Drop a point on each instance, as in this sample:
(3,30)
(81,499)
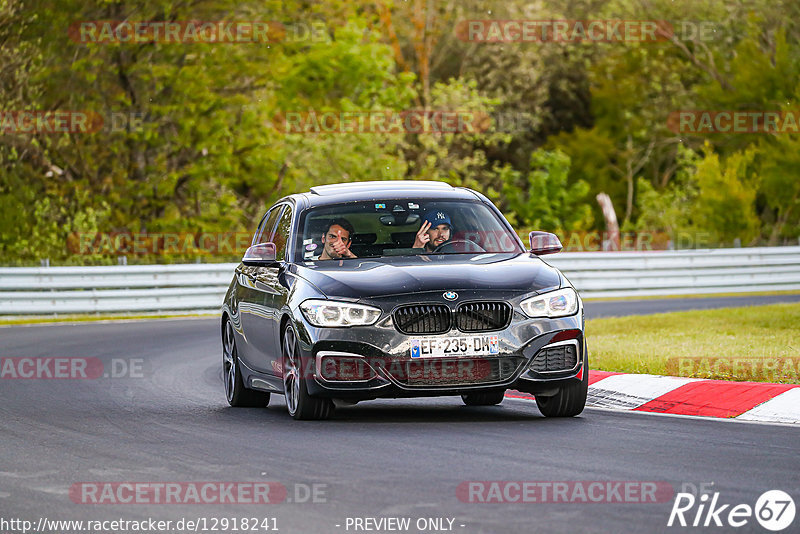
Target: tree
(725,203)
(542,200)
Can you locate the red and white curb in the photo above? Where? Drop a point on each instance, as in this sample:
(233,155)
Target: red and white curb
(747,401)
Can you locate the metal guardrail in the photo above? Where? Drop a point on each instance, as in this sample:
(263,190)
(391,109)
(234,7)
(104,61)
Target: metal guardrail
(681,272)
(201,287)
(130,288)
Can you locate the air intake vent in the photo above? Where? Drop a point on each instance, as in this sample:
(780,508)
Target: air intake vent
(483,316)
(558,358)
(422,319)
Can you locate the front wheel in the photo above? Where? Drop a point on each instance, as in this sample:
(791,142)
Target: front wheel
(300,404)
(235,391)
(569,401)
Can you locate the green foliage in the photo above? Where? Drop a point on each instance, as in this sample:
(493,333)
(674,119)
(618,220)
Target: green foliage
(710,196)
(589,151)
(669,210)
(779,168)
(725,203)
(544,201)
(570,120)
(459,158)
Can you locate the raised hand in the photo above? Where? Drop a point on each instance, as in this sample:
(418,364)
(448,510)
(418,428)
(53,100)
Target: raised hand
(422,235)
(340,248)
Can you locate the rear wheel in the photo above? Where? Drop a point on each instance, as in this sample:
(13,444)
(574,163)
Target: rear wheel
(484,398)
(569,401)
(299,403)
(235,391)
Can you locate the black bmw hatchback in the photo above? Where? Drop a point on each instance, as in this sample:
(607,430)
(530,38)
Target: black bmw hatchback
(398,289)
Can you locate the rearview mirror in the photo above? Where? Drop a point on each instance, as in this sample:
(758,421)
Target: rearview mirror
(262,255)
(398,219)
(544,243)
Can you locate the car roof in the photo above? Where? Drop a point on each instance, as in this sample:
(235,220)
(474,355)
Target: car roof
(389,189)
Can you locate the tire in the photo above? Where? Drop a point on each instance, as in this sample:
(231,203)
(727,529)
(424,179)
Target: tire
(569,401)
(299,403)
(235,392)
(484,398)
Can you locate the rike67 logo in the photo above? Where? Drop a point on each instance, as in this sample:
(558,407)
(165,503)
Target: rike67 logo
(774,510)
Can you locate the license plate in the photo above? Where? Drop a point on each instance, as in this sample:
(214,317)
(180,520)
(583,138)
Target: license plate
(437,347)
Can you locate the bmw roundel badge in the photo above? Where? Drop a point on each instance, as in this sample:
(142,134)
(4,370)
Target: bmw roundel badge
(450,295)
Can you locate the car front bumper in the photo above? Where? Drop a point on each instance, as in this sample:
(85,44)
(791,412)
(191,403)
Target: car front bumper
(360,363)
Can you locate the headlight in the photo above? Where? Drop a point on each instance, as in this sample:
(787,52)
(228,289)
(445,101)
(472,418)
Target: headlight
(554,304)
(333,314)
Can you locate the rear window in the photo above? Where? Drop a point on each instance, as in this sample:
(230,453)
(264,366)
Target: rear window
(390,228)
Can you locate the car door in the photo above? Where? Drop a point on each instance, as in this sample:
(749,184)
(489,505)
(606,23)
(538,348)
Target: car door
(273,281)
(256,300)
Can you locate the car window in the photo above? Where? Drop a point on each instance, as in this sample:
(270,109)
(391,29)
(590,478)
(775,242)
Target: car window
(389,228)
(267,227)
(280,234)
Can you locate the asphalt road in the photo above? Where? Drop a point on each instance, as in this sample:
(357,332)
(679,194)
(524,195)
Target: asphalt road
(169,422)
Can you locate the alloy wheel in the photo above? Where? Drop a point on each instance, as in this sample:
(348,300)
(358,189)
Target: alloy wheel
(229,360)
(291,371)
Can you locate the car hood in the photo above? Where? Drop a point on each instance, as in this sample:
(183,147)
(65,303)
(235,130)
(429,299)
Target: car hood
(366,278)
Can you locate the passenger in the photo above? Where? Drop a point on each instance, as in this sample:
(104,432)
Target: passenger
(434,232)
(336,240)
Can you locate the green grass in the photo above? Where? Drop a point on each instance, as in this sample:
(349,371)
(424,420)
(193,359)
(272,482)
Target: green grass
(695,295)
(91,318)
(755,343)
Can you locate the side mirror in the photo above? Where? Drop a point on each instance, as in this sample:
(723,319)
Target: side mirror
(544,243)
(261,255)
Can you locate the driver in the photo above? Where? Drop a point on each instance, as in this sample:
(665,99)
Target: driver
(434,232)
(336,240)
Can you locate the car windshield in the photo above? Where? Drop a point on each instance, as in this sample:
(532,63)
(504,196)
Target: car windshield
(392,228)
